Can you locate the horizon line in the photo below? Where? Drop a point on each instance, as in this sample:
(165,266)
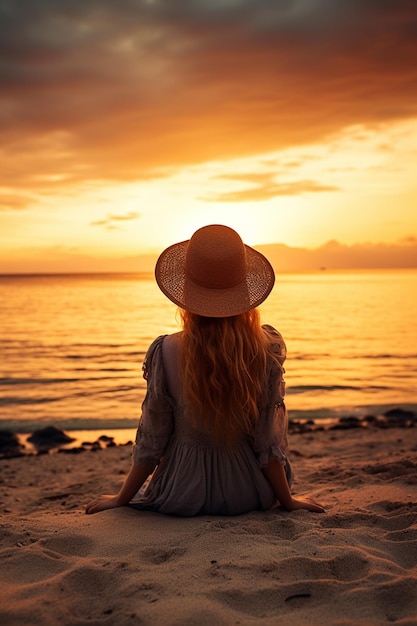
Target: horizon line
(151,272)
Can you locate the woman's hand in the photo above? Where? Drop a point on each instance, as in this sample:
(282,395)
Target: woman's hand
(101,503)
(133,482)
(307,504)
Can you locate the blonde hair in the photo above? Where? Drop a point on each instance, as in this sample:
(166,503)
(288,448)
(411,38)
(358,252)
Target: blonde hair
(223,364)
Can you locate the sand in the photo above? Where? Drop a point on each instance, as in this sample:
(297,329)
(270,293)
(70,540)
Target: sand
(353,565)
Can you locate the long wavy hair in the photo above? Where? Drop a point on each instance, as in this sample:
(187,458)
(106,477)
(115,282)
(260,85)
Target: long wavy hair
(223,364)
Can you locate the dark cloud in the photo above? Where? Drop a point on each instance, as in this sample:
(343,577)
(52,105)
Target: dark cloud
(266,187)
(132,86)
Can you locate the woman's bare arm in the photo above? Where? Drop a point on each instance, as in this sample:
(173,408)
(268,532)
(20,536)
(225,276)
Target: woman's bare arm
(134,481)
(275,474)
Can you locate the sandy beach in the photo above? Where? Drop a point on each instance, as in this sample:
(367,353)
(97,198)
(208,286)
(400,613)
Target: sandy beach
(353,565)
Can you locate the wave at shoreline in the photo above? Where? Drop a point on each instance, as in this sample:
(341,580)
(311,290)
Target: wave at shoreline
(54,438)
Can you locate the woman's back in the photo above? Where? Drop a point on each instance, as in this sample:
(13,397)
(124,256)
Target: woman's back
(196,474)
(224,364)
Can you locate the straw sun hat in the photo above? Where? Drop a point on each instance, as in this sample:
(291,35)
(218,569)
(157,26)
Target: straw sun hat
(214,274)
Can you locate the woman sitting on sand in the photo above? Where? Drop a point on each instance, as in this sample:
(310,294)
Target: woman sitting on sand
(214,422)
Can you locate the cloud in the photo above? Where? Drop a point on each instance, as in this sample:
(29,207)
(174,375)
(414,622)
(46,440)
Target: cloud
(334,255)
(111,221)
(12,201)
(265,188)
(411,240)
(105,90)
(331,256)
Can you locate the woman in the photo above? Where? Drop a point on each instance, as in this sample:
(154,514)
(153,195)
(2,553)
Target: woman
(214,422)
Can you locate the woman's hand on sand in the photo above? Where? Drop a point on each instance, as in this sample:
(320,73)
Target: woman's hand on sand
(307,504)
(101,503)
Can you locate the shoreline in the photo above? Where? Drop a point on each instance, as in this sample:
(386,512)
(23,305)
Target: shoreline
(54,439)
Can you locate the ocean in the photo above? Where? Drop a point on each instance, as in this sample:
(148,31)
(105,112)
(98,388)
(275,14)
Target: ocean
(72,346)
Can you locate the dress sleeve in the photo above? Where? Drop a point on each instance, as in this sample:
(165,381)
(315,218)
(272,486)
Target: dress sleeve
(270,433)
(157,420)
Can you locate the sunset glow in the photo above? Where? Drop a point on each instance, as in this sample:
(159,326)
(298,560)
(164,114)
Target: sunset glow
(127,126)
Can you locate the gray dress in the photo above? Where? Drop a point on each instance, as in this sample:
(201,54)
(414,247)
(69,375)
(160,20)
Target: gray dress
(193,476)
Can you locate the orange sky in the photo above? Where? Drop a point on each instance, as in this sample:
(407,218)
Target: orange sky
(126,125)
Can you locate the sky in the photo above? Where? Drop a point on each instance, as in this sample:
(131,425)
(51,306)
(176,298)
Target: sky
(125,126)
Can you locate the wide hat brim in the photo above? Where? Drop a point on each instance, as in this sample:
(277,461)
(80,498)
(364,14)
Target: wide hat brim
(172,279)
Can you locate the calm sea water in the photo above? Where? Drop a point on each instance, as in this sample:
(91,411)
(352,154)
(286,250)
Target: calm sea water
(72,346)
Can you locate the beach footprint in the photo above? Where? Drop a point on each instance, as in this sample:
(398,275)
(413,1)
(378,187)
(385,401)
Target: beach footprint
(69,544)
(25,567)
(158,556)
(275,600)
